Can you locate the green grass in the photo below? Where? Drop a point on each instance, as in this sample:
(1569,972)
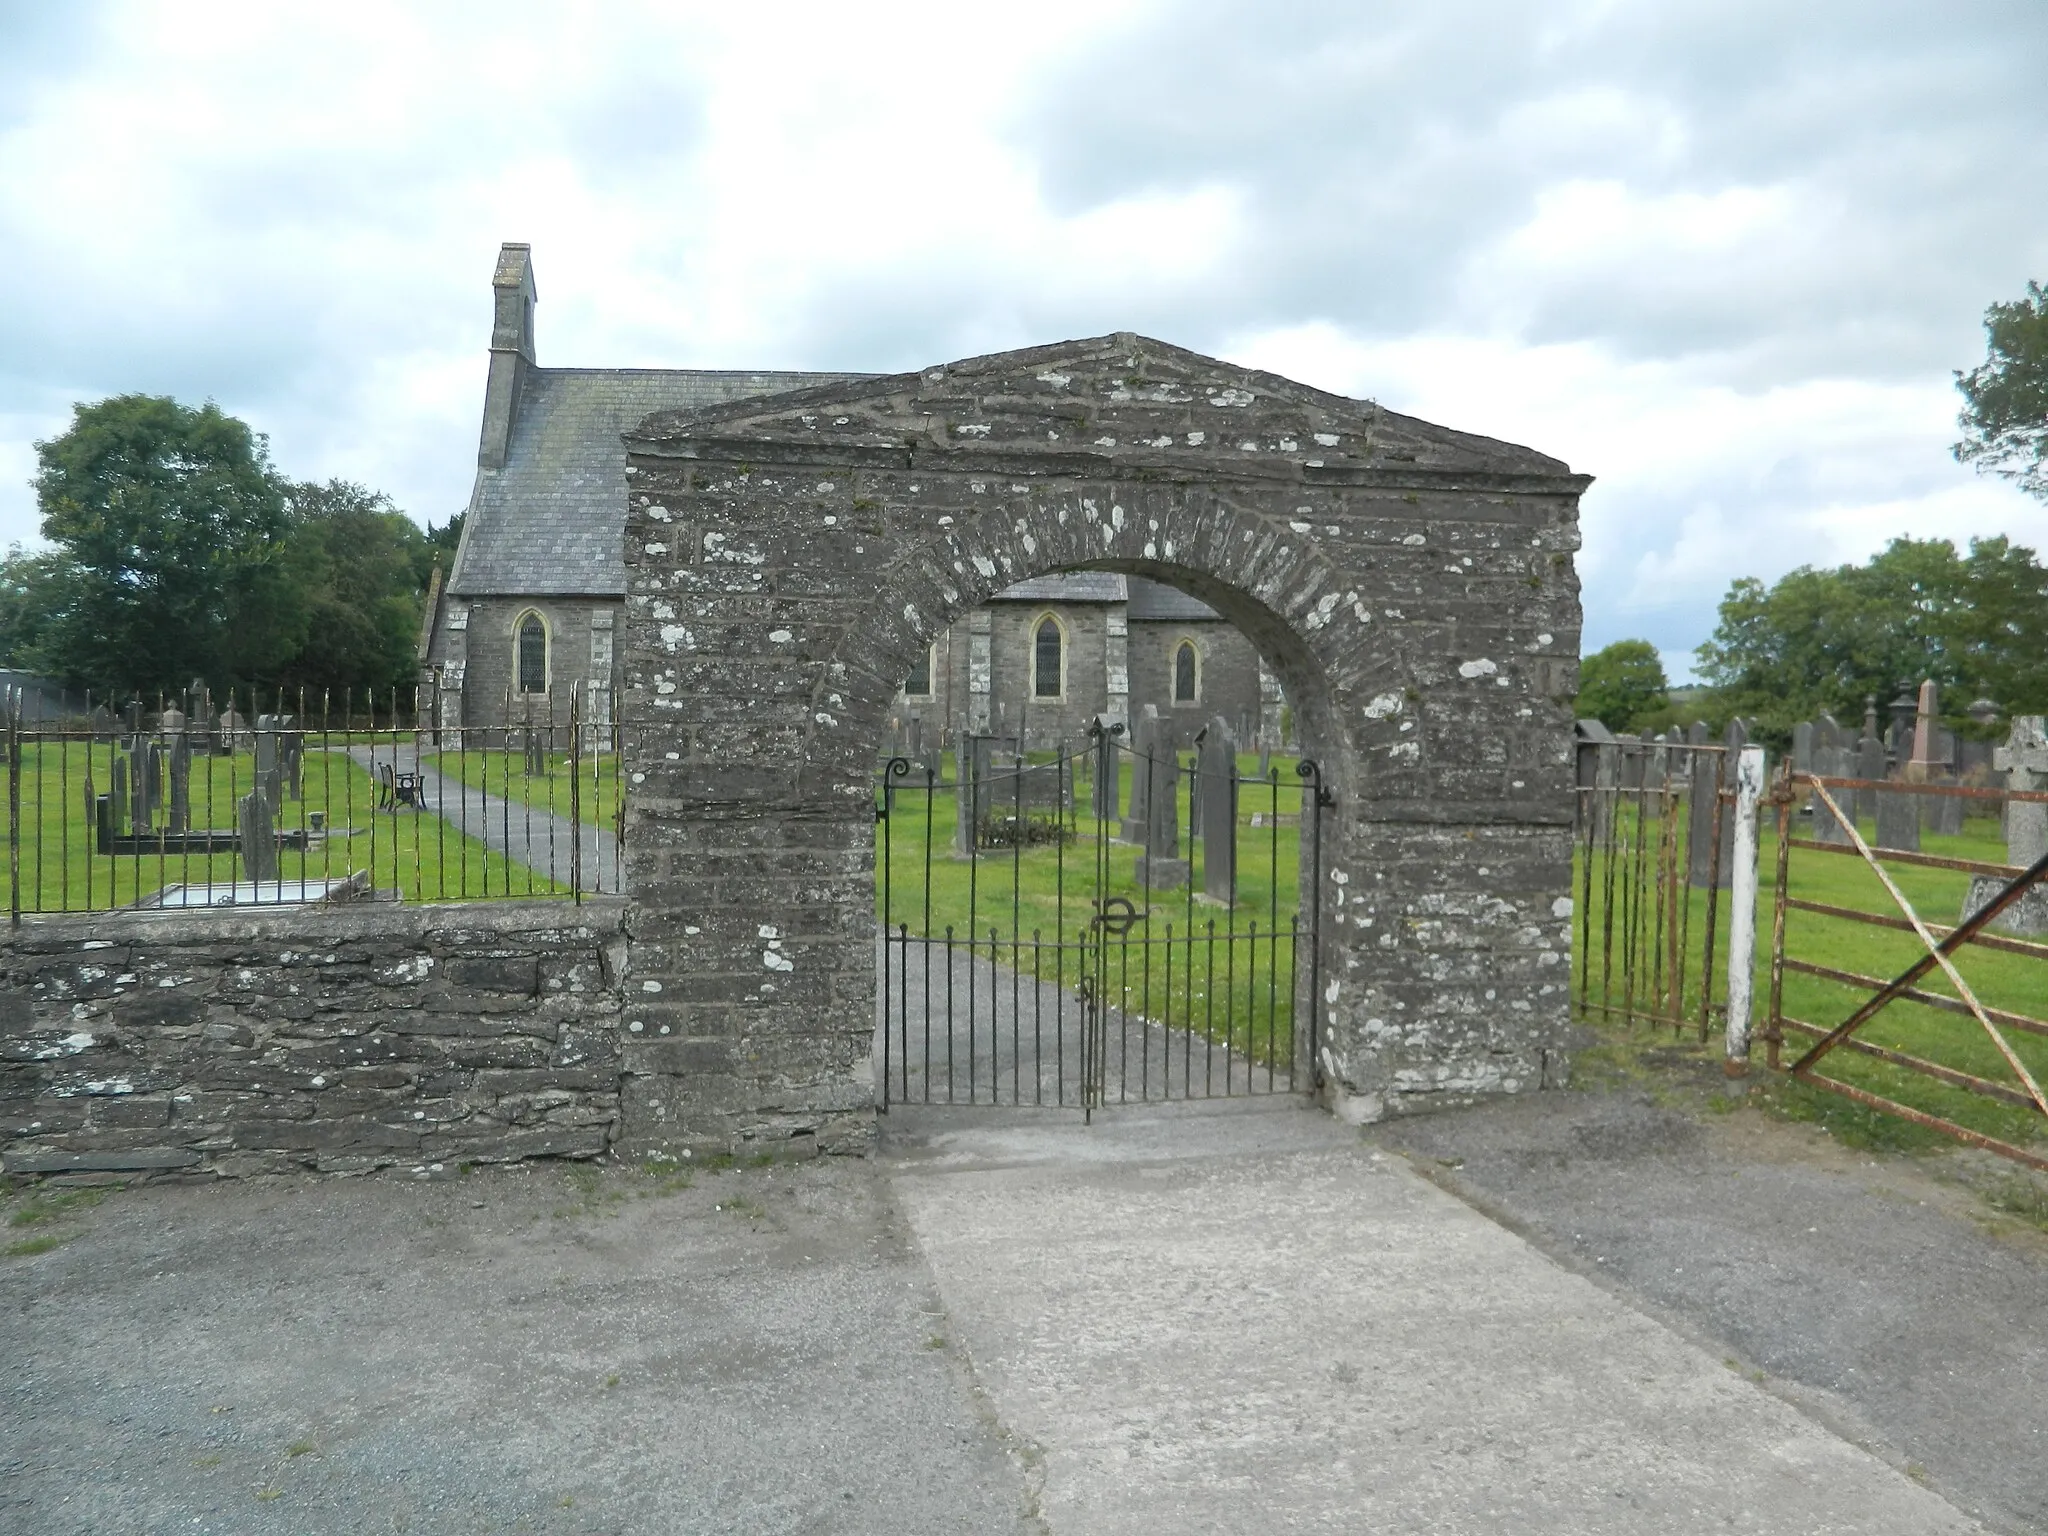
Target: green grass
(416,853)
(504,774)
(1032,908)
(40,1208)
(2016,983)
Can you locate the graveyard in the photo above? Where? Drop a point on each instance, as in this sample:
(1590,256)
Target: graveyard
(190,830)
(1943,822)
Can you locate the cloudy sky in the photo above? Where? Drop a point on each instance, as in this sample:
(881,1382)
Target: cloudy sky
(1722,254)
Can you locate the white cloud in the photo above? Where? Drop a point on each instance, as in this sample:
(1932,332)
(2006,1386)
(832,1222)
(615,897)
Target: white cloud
(1721,258)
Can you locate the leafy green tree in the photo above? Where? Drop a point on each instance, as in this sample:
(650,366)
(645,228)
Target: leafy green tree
(33,592)
(1623,685)
(357,565)
(2005,397)
(1823,639)
(168,527)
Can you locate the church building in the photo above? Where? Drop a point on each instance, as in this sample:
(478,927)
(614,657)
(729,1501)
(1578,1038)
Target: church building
(525,620)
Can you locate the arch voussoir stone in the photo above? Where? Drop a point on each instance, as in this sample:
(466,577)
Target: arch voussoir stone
(790,558)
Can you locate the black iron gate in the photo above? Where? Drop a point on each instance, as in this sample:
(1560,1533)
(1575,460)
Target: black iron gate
(1100,925)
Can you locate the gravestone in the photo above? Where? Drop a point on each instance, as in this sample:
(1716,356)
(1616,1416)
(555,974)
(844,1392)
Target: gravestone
(1107,773)
(1160,866)
(2024,762)
(1803,739)
(269,777)
(1629,767)
(1712,773)
(965,788)
(1593,745)
(1870,767)
(291,751)
(2023,759)
(1832,759)
(178,769)
(142,784)
(1216,793)
(117,796)
(258,837)
(976,794)
(1147,751)
(1898,821)
(1942,815)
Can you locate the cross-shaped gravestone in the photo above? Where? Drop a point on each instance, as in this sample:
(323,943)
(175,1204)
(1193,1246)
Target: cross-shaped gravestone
(2024,762)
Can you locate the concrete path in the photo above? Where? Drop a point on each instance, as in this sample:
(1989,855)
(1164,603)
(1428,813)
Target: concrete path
(527,834)
(1254,1321)
(1884,1295)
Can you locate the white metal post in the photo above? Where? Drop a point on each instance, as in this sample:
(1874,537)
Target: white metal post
(1749,785)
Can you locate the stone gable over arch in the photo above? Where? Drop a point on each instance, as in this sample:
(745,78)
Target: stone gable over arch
(788,558)
(1079,406)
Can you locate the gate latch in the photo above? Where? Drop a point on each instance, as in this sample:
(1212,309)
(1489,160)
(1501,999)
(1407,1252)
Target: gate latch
(1116,915)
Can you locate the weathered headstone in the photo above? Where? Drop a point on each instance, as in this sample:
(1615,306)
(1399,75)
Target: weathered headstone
(117,796)
(1942,815)
(965,819)
(141,784)
(1594,746)
(269,777)
(1147,751)
(1712,773)
(1160,866)
(1106,775)
(2023,759)
(2024,762)
(1870,767)
(1898,820)
(178,769)
(258,837)
(1831,760)
(1803,739)
(1216,790)
(291,751)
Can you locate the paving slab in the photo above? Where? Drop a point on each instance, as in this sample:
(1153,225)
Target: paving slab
(1257,1321)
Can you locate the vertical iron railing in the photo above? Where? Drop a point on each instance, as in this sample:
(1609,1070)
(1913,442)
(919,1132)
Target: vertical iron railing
(256,799)
(1014,973)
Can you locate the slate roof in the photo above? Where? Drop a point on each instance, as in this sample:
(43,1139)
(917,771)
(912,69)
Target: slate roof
(1156,600)
(1066,587)
(552,521)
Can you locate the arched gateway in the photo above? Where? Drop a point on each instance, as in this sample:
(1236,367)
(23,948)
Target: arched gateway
(791,558)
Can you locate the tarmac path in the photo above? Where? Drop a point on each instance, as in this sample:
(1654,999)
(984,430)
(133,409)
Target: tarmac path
(529,835)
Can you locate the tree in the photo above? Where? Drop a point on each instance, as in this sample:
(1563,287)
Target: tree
(33,591)
(1622,685)
(1823,639)
(2005,397)
(358,565)
(168,528)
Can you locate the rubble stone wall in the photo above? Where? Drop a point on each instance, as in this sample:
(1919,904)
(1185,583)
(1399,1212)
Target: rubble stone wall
(335,1039)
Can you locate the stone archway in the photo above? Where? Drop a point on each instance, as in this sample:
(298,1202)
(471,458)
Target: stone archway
(789,558)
